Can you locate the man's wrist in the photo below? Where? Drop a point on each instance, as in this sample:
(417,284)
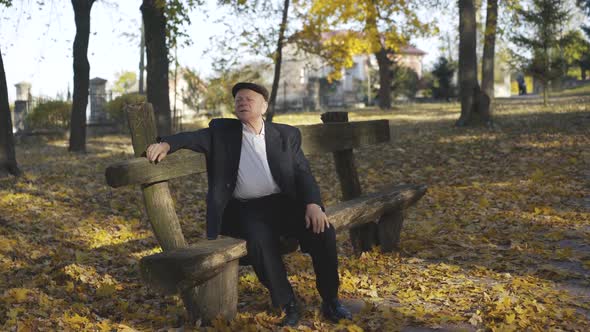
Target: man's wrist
(315,204)
(165,145)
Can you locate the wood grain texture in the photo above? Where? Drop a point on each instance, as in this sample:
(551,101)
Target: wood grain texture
(219,295)
(364,236)
(369,208)
(389,230)
(158,201)
(330,137)
(141,171)
(176,270)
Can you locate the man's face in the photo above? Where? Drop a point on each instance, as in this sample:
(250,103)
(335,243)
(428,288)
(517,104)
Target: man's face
(249,105)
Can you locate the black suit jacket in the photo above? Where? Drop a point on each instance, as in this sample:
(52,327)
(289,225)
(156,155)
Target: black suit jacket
(222,144)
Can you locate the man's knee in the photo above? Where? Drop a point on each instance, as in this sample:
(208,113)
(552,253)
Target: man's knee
(323,240)
(264,241)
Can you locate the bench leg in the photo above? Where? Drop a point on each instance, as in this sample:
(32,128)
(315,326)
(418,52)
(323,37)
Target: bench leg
(363,237)
(389,230)
(216,297)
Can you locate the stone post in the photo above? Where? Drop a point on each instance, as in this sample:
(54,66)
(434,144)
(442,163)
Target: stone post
(98,99)
(22,105)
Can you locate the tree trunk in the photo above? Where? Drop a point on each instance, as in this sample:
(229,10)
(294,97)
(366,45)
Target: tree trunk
(7,156)
(141,60)
(467,62)
(385,78)
(157,63)
(81,75)
(545,93)
(487,80)
(278,60)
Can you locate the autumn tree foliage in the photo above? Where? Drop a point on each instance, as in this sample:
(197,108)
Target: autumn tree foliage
(339,29)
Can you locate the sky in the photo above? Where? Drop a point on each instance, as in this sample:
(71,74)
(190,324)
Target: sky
(36,42)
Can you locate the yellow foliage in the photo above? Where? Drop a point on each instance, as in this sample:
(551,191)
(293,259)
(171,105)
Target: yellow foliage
(363,20)
(75,321)
(17,295)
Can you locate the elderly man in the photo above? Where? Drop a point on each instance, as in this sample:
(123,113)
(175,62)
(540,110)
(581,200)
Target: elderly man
(260,189)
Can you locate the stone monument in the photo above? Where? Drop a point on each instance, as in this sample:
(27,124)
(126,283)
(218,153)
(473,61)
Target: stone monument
(98,99)
(22,105)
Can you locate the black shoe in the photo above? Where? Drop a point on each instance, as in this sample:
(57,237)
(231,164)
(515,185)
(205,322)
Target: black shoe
(292,315)
(334,311)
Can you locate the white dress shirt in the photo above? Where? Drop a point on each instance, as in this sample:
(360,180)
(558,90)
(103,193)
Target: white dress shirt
(254,176)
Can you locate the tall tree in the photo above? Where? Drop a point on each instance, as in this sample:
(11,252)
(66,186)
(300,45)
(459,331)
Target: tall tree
(154,20)
(82,10)
(379,27)
(8,163)
(163,26)
(278,59)
(486,102)
(543,37)
(468,86)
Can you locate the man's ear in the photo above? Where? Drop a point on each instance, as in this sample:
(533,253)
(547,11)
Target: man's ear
(265,108)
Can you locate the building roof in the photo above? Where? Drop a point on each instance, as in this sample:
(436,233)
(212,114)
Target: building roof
(410,49)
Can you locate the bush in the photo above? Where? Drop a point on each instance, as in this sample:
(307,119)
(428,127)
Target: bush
(52,114)
(443,87)
(116,107)
(404,83)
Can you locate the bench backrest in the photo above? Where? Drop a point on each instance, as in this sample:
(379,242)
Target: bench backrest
(316,139)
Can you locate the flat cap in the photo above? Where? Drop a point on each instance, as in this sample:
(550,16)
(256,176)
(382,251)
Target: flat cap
(250,86)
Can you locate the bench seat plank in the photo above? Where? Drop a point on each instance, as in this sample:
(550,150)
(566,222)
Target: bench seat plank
(179,269)
(369,208)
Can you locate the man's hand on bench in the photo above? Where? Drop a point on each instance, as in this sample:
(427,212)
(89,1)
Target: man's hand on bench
(157,152)
(316,218)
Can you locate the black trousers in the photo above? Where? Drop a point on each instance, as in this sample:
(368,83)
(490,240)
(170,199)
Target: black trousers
(261,222)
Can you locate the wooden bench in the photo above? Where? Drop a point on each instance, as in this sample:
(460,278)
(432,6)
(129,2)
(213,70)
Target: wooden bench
(205,274)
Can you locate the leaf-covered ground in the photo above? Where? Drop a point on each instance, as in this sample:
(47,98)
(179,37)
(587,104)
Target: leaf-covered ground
(501,241)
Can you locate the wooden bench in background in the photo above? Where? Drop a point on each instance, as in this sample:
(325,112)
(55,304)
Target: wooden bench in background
(205,274)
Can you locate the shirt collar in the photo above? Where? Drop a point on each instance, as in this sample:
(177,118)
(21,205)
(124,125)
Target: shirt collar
(245,130)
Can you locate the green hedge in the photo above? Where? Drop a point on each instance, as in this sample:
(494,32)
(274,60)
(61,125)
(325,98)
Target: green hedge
(52,114)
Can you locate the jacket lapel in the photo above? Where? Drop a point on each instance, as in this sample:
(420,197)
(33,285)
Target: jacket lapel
(234,149)
(274,143)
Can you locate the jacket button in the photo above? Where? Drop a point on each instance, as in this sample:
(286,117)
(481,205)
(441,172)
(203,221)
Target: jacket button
(227,185)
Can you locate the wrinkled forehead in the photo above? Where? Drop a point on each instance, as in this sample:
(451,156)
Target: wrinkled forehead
(247,93)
